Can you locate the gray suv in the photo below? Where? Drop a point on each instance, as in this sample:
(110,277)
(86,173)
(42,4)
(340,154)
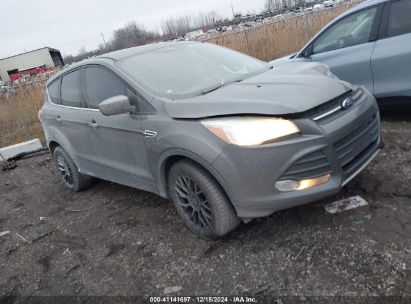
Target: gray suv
(223,135)
(368,45)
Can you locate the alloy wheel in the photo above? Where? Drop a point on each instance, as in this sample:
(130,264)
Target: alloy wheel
(65,171)
(192,200)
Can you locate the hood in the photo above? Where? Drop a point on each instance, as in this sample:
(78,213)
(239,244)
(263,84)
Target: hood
(286,89)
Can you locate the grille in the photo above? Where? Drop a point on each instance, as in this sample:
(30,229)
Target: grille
(309,166)
(354,149)
(332,108)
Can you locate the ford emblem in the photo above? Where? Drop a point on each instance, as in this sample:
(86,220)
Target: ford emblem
(347,103)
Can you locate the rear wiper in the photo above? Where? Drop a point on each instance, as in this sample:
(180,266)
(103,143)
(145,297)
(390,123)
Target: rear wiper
(218,86)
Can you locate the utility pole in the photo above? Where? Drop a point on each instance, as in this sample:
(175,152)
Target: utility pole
(232,8)
(104,40)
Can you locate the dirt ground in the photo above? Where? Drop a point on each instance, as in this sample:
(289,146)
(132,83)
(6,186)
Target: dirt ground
(115,240)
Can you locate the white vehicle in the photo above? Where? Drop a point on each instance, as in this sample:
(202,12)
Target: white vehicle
(194,35)
(318,7)
(328,3)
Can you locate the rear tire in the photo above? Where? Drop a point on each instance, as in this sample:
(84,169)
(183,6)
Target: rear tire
(200,201)
(69,175)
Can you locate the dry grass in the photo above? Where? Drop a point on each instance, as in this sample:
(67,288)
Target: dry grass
(18,112)
(279,38)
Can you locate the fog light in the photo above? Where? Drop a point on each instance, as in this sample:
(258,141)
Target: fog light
(293,185)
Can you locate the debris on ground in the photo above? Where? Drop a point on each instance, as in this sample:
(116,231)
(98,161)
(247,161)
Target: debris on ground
(20,148)
(72,210)
(22,238)
(172,289)
(9,165)
(127,242)
(346,204)
(4,233)
(258,289)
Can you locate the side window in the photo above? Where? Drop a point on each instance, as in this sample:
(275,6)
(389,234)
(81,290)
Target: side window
(54,91)
(71,90)
(352,30)
(102,84)
(400,18)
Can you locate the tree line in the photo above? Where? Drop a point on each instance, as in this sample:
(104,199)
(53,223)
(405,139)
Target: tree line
(135,34)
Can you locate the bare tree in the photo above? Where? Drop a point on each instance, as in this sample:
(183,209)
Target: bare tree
(132,34)
(82,51)
(273,5)
(178,26)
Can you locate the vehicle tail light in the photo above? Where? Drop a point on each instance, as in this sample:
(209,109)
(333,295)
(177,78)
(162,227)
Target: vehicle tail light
(40,114)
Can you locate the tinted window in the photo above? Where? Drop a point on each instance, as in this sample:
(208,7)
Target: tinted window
(71,94)
(354,29)
(54,91)
(400,18)
(102,84)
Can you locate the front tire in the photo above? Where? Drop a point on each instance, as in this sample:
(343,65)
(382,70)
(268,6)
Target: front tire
(200,201)
(68,171)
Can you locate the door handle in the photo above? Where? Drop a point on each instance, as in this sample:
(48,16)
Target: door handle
(93,124)
(58,118)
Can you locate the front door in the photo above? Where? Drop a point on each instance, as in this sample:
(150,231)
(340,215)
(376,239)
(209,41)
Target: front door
(346,47)
(118,141)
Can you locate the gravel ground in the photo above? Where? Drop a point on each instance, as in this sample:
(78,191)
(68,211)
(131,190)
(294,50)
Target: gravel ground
(115,240)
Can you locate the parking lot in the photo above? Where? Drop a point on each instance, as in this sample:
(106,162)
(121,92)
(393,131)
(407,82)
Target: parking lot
(115,240)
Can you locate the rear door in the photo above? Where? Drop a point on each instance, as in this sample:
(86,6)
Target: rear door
(346,46)
(119,152)
(391,59)
(71,119)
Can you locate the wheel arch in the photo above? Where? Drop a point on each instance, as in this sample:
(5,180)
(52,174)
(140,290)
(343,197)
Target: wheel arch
(169,158)
(55,138)
(59,141)
(52,144)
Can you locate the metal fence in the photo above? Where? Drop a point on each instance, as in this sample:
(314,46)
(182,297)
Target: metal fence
(280,37)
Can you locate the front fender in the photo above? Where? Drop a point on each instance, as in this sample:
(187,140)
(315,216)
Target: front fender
(181,153)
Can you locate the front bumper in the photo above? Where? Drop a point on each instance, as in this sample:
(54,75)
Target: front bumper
(342,146)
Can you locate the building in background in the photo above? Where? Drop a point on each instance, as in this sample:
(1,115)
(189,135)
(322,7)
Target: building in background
(29,63)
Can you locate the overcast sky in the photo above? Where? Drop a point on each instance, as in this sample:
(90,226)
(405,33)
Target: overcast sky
(69,25)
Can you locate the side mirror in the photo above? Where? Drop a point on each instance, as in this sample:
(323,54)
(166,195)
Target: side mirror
(307,52)
(116,105)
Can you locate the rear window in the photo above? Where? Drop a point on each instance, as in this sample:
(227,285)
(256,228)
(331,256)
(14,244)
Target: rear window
(71,92)
(400,18)
(54,91)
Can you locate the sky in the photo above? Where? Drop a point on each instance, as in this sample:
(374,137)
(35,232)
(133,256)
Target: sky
(70,25)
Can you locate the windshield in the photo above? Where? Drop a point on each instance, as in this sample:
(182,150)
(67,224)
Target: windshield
(186,70)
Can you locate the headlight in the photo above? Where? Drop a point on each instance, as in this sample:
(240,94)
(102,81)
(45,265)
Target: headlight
(250,130)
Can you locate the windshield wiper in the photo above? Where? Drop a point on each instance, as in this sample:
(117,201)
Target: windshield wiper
(218,86)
